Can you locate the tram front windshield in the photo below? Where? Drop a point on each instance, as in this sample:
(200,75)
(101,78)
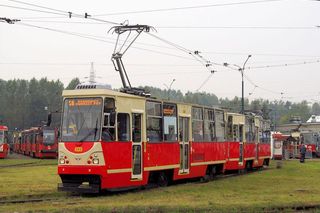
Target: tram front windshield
(1,137)
(81,119)
(48,137)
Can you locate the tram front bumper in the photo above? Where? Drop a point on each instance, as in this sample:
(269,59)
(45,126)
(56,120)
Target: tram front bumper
(83,188)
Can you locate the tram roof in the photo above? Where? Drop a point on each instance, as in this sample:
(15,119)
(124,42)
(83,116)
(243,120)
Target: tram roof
(3,127)
(97,92)
(108,92)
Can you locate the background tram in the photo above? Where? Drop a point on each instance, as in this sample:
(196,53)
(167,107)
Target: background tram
(112,140)
(37,142)
(4,147)
(312,142)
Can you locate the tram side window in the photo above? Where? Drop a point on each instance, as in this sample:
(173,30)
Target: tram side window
(108,130)
(236,136)
(230,129)
(154,121)
(265,137)
(6,137)
(197,124)
(256,134)
(170,122)
(123,120)
(220,126)
(32,138)
(209,133)
(136,127)
(249,129)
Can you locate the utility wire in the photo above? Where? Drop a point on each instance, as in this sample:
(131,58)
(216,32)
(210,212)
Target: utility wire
(34,5)
(186,8)
(101,40)
(195,54)
(57,12)
(284,65)
(29,9)
(42,17)
(96,64)
(262,88)
(205,81)
(195,27)
(66,32)
(260,54)
(251,82)
(242,27)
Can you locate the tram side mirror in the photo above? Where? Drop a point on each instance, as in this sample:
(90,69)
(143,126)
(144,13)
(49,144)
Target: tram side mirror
(109,119)
(106,119)
(112,118)
(49,119)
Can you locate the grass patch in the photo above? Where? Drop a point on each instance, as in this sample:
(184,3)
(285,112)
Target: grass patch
(4,163)
(292,186)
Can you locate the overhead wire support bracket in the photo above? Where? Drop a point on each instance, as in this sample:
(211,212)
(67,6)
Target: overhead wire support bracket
(117,54)
(8,20)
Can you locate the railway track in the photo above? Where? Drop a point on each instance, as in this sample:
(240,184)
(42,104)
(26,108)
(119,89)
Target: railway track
(33,200)
(31,164)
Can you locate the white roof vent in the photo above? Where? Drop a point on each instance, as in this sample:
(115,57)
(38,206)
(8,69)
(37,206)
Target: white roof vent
(93,86)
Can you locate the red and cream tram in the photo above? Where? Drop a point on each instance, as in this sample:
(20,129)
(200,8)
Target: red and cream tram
(112,140)
(4,147)
(37,142)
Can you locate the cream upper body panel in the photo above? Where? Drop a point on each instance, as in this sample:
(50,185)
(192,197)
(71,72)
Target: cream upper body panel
(75,159)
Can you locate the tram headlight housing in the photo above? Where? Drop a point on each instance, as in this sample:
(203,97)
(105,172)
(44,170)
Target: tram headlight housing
(95,161)
(62,161)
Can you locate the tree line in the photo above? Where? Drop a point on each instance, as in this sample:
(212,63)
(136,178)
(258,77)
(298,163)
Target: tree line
(26,103)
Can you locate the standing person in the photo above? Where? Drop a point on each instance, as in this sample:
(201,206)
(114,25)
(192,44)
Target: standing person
(303,150)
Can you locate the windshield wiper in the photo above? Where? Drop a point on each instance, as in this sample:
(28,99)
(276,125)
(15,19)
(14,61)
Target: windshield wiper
(90,132)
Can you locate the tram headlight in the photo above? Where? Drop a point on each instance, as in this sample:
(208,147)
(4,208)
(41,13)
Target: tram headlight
(62,161)
(95,161)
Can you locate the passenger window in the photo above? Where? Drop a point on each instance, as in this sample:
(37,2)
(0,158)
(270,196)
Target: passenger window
(108,130)
(170,122)
(209,133)
(123,120)
(197,124)
(220,130)
(136,127)
(154,121)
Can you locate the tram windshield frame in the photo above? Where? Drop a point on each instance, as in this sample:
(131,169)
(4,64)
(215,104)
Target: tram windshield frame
(1,136)
(81,119)
(48,136)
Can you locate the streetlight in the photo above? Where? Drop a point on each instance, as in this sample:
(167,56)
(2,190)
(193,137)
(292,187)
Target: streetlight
(169,87)
(241,70)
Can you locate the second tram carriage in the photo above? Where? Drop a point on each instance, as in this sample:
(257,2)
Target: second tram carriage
(312,142)
(112,140)
(4,147)
(38,142)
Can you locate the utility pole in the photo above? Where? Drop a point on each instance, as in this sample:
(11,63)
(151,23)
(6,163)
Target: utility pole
(92,75)
(241,70)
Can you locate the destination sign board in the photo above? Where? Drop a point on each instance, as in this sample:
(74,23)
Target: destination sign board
(85,102)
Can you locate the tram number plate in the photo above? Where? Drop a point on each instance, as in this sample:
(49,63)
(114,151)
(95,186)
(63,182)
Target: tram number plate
(78,149)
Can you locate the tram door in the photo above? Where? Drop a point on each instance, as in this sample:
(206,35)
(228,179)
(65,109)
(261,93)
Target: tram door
(241,136)
(257,144)
(136,146)
(184,144)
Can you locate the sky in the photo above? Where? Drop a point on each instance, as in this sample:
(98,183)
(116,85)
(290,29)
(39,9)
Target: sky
(282,37)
